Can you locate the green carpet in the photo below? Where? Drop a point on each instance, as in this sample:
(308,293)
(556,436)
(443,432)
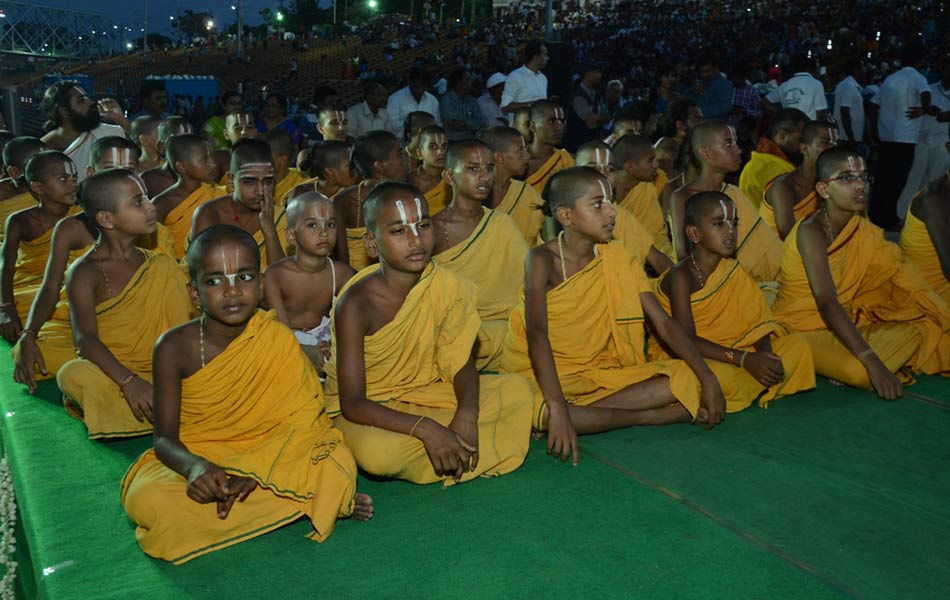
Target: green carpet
(831,494)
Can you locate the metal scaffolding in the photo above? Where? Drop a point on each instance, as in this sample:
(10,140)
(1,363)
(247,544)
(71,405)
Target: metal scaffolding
(53,32)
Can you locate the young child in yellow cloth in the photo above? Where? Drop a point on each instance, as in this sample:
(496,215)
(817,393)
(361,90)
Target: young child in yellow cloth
(243,444)
(748,351)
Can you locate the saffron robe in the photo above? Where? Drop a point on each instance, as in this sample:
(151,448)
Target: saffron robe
(903,320)
(523,204)
(643,202)
(492,258)
(730,291)
(178,219)
(256,410)
(438,197)
(154,300)
(55,337)
(801,209)
(559,160)
(919,250)
(766,163)
(286,185)
(32,256)
(12,205)
(410,365)
(597,334)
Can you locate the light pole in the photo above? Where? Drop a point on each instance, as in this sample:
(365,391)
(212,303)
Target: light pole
(145,33)
(240,29)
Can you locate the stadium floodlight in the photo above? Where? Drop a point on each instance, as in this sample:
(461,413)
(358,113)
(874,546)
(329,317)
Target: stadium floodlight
(280,16)
(372,4)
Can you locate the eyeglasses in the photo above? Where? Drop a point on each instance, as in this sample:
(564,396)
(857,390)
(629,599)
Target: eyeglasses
(851,178)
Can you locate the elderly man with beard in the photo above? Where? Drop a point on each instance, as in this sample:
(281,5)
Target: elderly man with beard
(74,121)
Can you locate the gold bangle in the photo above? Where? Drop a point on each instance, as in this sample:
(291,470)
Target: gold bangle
(867,352)
(126,381)
(742,359)
(26,331)
(411,431)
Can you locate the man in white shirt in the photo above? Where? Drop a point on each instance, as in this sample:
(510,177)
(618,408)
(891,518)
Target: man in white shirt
(802,90)
(902,99)
(931,156)
(490,101)
(75,123)
(411,98)
(527,83)
(370,114)
(849,105)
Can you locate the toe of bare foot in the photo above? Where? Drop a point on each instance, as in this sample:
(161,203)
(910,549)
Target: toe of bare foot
(362,507)
(537,435)
(702,416)
(835,382)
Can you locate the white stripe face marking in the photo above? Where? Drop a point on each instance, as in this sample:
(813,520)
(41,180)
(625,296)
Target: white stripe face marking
(230,271)
(730,219)
(605,190)
(70,168)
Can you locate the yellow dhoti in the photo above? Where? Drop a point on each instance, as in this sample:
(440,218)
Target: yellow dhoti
(410,366)
(256,410)
(359,259)
(154,300)
(31,260)
(802,208)
(764,165)
(286,185)
(918,249)
(14,204)
(492,258)
(898,314)
(178,219)
(597,335)
(55,338)
(758,248)
(643,202)
(730,291)
(438,197)
(560,160)
(523,204)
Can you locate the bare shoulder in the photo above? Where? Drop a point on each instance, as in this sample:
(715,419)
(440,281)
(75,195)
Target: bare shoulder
(279,267)
(357,300)
(679,274)
(178,343)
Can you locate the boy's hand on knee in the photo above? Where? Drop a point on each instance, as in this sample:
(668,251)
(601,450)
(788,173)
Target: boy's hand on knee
(207,482)
(713,401)
(138,393)
(446,453)
(562,438)
(886,385)
(240,489)
(465,427)
(766,367)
